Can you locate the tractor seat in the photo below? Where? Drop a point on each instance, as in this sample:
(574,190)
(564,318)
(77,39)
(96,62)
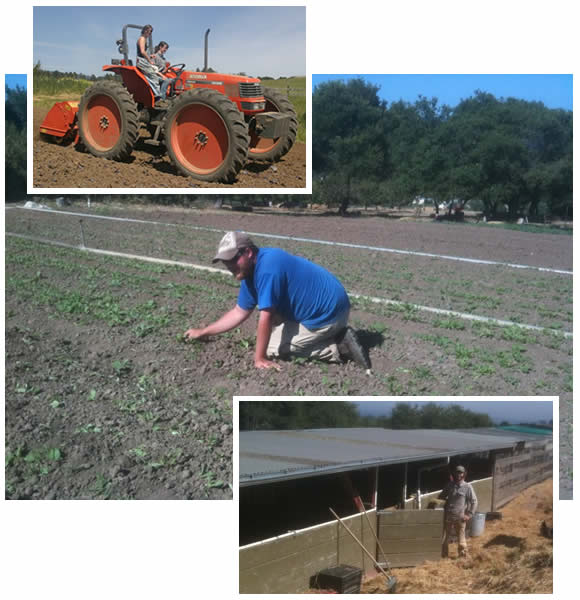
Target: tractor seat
(121,61)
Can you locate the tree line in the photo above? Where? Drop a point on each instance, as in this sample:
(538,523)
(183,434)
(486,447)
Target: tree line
(510,157)
(507,156)
(285,415)
(15,142)
(40,73)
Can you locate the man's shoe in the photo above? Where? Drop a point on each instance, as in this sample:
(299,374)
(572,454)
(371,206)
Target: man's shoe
(161,104)
(350,348)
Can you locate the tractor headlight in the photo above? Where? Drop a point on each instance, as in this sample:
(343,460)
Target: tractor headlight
(253,105)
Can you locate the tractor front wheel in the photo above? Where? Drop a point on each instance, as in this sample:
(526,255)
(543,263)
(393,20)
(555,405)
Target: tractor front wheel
(272,150)
(206,136)
(108,121)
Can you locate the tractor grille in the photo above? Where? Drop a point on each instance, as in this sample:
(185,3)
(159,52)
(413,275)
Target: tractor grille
(250,90)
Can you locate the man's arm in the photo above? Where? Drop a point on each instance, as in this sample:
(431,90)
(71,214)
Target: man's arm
(227,322)
(471,504)
(263,339)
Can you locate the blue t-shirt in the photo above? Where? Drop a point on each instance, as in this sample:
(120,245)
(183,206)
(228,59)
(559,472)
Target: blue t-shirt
(295,287)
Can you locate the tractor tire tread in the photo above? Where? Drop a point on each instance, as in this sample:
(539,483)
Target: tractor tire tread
(237,128)
(128,108)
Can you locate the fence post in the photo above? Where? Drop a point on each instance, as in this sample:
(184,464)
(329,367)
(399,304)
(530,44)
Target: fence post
(82,234)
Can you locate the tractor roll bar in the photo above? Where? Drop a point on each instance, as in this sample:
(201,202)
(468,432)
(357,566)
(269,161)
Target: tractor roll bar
(122,43)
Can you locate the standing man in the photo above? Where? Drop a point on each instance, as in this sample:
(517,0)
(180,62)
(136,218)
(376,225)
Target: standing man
(460,506)
(303,308)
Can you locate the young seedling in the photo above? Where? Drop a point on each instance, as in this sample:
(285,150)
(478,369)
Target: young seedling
(122,367)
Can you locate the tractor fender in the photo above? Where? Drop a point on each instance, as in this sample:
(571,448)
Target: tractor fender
(135,82)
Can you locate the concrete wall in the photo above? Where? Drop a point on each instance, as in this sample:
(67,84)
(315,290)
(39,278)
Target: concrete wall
(285,564)
(410,537)
(483,490)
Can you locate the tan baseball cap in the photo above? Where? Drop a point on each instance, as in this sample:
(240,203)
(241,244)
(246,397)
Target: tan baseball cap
(459,469)
(230,244)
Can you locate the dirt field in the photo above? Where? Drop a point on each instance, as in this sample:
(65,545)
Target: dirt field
(94,342)
(511,557)
(63,166)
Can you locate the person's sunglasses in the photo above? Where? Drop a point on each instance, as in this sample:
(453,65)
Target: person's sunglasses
(234,260)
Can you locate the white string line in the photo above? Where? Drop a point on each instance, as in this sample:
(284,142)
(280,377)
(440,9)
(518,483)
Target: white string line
(314,241)
(467,316)
(375,300)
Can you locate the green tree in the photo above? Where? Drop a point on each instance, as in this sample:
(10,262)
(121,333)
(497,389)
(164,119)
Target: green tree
(436,416)
(295,414)
(350,137)
(405,416)
(500,152)
(15,143)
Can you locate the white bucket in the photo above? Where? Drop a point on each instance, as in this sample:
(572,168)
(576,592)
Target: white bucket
(477,524)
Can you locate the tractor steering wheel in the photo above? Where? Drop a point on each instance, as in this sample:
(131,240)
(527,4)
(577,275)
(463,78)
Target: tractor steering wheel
(176,68)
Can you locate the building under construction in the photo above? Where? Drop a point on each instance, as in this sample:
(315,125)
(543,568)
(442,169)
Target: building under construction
(380,482)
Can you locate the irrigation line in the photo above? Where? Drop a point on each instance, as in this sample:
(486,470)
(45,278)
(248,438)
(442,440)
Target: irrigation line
(375,300)
(314,241)
(151,259)
(460,315)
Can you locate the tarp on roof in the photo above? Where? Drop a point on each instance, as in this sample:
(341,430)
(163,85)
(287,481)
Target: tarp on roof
(524,433)
(527,429)
(269,456)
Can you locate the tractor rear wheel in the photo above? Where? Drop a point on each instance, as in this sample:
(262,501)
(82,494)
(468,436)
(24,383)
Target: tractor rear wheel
(272,150)
(206,136)
(108,121)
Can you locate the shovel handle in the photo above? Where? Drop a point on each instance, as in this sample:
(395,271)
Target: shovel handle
(373,531)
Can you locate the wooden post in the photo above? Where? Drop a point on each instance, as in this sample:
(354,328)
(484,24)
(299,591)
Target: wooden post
(493,481)
(405,486)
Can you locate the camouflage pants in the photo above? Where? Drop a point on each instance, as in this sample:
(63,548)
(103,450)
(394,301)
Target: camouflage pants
(456,529)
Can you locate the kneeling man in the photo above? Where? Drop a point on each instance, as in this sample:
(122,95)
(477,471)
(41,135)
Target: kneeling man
(303,307)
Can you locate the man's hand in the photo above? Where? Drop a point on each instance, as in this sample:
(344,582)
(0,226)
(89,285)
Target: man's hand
(194,334)
(264,363)
(466,518)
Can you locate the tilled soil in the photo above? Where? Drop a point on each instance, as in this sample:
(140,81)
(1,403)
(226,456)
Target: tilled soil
(96,341)
(148,167)
(91,414)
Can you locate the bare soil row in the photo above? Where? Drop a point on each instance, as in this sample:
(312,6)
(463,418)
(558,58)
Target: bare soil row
(78,322)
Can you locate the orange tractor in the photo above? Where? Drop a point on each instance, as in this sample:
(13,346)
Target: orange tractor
(211,123)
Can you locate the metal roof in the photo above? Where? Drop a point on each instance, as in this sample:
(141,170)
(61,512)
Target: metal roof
(269,456)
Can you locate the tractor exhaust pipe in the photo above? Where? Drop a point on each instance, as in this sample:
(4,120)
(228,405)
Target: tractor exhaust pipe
(205,53)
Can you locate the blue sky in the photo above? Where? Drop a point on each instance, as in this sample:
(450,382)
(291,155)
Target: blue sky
(513,411)
(257,40)
(555,91)
(12,81)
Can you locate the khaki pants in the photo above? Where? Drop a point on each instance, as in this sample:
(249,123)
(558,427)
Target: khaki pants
(293,339)
(456,528)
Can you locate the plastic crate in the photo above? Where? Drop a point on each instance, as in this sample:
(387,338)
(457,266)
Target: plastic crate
(344,579)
